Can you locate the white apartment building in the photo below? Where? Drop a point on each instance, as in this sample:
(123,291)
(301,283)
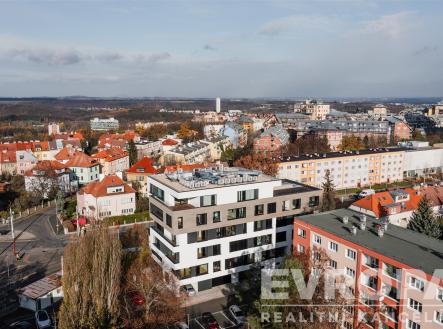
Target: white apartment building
(348,169)
(316,110)
(211,225)
(104,124)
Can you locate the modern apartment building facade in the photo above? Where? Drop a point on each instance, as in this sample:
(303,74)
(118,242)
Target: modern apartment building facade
(390,272)
(104,124)
(212,224)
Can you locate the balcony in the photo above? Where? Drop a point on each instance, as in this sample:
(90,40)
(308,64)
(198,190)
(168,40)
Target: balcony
(159,230)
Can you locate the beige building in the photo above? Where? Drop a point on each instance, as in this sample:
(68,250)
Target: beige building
(348,169)
(109,197)
(316,110)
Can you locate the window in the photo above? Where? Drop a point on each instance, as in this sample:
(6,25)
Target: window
(317,239)
(413,325)
(156,211)
(272,208)
(333,264)
(180,222)
(157,192)
(168,220)
(300,249)
(247,195)
(216,217)
(333,246)
(259,210)
(351,254)
(236,213)
(439,317)
(415,305)
(296,204)
(216,266)
(302,233)
(350,272)
(416,283)
(207,200)
(280,237)
(314,201)
(440,294)
(201,219)
(261,225)
(285,205)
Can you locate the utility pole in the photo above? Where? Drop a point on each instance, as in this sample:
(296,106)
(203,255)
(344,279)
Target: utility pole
(11,218)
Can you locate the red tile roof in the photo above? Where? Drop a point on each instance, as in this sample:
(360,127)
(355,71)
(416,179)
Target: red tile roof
(169,142)
(81,159)
(111,154)
(8,156)
(66,153)
(99,189)
(144,166)
(48,167)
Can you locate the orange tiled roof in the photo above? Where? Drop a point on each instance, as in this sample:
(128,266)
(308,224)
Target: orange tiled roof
(65,153)
(8,156)
(99,189)
(48,167)
(144,166)
(110,154)
(81,159)
(376,202)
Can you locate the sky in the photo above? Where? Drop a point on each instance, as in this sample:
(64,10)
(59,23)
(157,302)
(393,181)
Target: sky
(248,48)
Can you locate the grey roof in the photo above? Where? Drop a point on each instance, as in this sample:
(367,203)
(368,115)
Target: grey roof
(277,131)
(406,246)
(339,154)
(345,125)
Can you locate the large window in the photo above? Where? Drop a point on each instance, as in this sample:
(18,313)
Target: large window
(201,219)
(247,195)
(416,283)
(168,220)
(180,222)
(259,210)
(261,225)
(296,204)
(333,246)
(156,211)
(413,325)
(314,201)
(236,213)
(272,208)
(216,217)
(157,192)
(208,200)
(413,304)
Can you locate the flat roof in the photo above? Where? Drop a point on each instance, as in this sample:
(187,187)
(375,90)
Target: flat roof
(179,187)
(417,250)
(340,154)
(43,286)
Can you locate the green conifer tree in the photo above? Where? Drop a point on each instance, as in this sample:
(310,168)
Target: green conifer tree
(424,221)
(328,198)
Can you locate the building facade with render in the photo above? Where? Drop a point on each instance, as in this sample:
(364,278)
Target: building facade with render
(212,224)
(392,273)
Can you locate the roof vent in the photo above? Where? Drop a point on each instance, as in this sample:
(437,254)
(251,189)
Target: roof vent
(362,226)
(345,219)
(354,230)
(380,232)
(363,219)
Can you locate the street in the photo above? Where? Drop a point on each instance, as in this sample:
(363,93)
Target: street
(40,249)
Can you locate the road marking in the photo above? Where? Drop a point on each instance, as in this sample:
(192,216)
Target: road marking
(199,323)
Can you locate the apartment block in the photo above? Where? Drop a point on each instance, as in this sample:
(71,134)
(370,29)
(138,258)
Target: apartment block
(392,272)
(104,124)
(348,169)
(212,224)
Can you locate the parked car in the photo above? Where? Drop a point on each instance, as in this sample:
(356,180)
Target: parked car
(189,289)
(237,314)
(209,321)
(21,325)
(42,319)
(181,325)
(366,192)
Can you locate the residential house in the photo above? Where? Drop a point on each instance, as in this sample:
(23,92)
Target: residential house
(25,161)
(84,168)
(8,162)
(112,160)
(271,140)
(139,172)
(106,198)
(49,176)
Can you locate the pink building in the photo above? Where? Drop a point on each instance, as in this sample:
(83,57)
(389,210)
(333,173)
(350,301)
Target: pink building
(389,271)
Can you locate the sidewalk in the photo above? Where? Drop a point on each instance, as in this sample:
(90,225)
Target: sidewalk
(210,294)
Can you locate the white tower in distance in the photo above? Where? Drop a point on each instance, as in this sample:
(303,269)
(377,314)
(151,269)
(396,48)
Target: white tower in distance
(218,105)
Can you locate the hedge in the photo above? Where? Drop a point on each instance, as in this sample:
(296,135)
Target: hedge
(127,219)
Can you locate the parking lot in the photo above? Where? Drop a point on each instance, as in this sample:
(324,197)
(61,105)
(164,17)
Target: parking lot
(222,317)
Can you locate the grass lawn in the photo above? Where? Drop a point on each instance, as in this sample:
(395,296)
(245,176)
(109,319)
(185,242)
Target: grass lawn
(376,187)
(128,219)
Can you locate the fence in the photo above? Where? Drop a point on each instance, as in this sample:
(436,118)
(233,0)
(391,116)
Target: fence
(30,211)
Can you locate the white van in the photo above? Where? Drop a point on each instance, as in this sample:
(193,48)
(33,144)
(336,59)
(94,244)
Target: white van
(366,192)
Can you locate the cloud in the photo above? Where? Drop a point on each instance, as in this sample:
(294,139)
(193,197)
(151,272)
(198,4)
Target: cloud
(54,55)
(426,50)
(392,26)
(209,47)
(292,23)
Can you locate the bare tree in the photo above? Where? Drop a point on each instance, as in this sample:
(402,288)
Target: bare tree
(91,281)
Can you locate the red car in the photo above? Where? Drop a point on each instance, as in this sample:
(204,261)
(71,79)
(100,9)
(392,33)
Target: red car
(209,321)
